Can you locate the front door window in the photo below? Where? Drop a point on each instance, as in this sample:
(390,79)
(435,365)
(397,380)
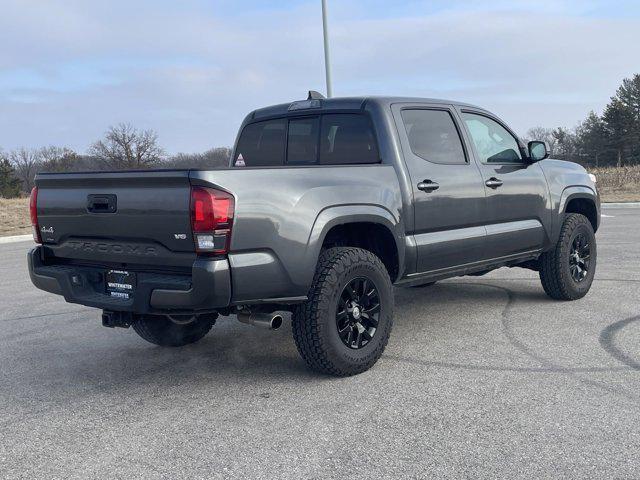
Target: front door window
(493,142)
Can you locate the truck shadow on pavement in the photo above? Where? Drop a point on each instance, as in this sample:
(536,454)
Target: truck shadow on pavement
(94,358)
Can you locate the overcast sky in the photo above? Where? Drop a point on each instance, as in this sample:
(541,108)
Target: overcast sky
(192,69)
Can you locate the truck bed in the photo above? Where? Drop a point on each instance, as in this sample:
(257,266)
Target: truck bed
(280,216)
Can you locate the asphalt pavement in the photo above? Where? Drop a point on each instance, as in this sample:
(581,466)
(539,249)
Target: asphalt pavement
(483,377)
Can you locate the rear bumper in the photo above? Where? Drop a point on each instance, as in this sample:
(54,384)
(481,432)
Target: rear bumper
(207,288)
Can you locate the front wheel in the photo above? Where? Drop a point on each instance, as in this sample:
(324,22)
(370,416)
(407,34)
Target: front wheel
(344,326)
(173,331)
(567,271)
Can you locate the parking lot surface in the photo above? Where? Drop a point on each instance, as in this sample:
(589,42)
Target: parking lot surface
(483,377)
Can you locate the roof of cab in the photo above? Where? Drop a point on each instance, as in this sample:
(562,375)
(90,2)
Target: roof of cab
(351,103)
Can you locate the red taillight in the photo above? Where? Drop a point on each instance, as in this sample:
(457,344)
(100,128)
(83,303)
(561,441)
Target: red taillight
(211,219)
(33,212)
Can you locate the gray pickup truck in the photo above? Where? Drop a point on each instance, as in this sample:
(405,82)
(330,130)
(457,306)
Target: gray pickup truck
(326,204)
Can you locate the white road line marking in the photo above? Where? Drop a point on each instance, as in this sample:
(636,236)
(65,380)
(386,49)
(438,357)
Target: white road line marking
(621,205)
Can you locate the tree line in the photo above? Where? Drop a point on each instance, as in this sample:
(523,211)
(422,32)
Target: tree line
(609,139)
(123,147)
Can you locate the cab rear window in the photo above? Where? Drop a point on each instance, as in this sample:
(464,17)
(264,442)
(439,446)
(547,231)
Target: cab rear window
(261,144)
(330,139)
(347,139)
(302,141)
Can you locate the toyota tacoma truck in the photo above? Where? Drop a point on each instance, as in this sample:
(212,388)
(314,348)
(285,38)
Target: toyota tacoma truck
(325,206)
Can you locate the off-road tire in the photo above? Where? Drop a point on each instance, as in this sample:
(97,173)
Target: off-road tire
(554,265)
(314,322)
(160,330)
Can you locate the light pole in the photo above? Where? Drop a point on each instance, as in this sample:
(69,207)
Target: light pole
(327,60)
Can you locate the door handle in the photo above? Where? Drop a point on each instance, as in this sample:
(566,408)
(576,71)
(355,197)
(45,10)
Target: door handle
(493,182)
(428,186)
(101,203)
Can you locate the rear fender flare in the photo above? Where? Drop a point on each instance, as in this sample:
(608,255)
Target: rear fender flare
(345,214)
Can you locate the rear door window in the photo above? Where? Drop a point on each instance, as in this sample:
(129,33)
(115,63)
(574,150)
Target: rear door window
(433,136)
(261,144)
(347,138)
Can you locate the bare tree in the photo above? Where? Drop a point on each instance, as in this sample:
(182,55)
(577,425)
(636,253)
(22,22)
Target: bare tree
(126,147)
(544,135)
(538,133)
(25,162)
(217,157)
(57,159)
(214,158)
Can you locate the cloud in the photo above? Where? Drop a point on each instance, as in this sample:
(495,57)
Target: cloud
(192,70)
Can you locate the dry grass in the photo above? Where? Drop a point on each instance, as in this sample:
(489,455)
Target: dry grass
(618,184)
(615,185)
(14,216)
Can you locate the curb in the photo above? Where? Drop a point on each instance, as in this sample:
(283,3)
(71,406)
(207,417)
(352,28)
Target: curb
(16,239)
(621,205)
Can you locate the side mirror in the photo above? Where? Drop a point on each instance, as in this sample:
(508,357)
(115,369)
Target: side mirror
(538,151)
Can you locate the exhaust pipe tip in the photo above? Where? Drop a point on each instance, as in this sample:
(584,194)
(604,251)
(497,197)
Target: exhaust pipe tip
(276,322)
(117,319)
(264,320)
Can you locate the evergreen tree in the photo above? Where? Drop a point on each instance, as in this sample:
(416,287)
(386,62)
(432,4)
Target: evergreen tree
(618,125)
(9,184)
(565,143)
(591,140)
(628,95)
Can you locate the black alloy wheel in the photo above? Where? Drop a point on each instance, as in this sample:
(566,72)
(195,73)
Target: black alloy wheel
(358,313)
(580,257)
(344,326)
(568,269)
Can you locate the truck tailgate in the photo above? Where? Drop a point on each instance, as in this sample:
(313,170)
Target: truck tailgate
(117,217)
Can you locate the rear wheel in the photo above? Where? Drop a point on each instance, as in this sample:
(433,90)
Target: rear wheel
(345,324)
(567,271)
(173,331)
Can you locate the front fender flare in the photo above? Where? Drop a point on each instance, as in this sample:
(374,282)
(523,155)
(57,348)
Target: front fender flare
(568,194)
